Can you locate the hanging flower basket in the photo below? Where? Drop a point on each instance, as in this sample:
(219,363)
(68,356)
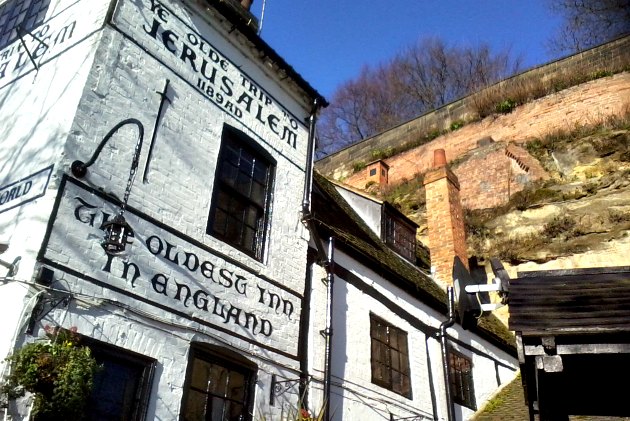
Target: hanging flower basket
(58,372)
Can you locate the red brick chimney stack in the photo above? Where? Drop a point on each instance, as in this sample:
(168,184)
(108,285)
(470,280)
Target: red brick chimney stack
(445,219)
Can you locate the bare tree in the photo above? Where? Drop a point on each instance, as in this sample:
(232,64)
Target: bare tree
(421,78)
(587,23)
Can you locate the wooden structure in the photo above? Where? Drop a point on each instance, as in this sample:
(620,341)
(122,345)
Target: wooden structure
(573,340)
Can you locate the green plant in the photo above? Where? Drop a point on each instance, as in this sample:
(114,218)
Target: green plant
(456,125)
(506,106)
(600,74)
(58,372)
(358,166)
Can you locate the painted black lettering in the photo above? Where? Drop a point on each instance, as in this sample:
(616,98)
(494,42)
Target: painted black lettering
(160,283)
(200,298)
(168,39)
(191,262)
(167,253)
(136,272)
(190,55)
(228,279)
(178,295)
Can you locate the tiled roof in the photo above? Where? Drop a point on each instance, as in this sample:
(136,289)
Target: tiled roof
(333,216)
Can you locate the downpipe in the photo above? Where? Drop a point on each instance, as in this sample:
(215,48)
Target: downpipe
(443,341)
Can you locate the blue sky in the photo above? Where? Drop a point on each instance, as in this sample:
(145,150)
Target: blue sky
(329,41)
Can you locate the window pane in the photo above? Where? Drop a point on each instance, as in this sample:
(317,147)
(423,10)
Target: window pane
(395,361)
(121,389)
(243,184)
(390,362)
(237,386)
(217,380)
(393,340)
(239,209)
(195,406)
(200,374)
(226,396)
(27,14)
(258,194)
(461,379)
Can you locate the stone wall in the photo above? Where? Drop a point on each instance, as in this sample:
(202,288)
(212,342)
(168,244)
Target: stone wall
(613,55)
(498,163)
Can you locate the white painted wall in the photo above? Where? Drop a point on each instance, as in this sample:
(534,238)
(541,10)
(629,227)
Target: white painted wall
(368,209)
(354,396)
(61,113)
(36,110)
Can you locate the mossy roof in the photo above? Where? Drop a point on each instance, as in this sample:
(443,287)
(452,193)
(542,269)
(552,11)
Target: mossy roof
(333,216)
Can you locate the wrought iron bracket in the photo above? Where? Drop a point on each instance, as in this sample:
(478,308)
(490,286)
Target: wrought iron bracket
(280,387)
(43,306)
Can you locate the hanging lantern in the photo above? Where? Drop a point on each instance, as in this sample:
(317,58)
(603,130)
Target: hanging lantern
(117,232)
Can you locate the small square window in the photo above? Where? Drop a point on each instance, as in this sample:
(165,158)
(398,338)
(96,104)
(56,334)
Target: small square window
(390,357)
(372,172)
(240,206)
(461,379)
(20,15)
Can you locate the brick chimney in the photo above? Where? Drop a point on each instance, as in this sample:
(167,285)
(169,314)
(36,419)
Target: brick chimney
(445,219)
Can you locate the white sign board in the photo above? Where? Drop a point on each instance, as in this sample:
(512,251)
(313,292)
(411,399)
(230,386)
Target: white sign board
(171,273)
(23,191)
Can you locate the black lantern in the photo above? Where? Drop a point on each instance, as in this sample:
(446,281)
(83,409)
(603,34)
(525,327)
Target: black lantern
(117,231)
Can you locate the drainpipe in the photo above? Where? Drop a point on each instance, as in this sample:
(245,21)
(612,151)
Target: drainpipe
(442,334)
(307,219)
(308,182)
(328,331)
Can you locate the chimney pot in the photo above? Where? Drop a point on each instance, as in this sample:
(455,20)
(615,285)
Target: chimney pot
(439,158)
(247,4)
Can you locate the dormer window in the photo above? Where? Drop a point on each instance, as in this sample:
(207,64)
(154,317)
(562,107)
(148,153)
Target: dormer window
(400,233)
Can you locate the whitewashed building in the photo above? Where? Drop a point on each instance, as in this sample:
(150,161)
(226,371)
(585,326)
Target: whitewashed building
(175,115)
(385,357)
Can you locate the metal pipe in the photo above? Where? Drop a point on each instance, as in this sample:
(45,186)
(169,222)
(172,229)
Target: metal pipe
(328,331)
(443,340)
(308,181)
(305,322)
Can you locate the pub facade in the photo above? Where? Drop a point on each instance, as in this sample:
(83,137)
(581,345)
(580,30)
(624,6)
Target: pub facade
(155,155)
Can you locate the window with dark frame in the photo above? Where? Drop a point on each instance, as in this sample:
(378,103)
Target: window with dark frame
(390,357)
(240,204)
(20,15)
(461,379)
(217,388)
(122,388)
(400,236)
(372,172)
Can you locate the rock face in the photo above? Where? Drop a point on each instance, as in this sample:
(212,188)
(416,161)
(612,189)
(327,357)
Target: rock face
(580,217)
